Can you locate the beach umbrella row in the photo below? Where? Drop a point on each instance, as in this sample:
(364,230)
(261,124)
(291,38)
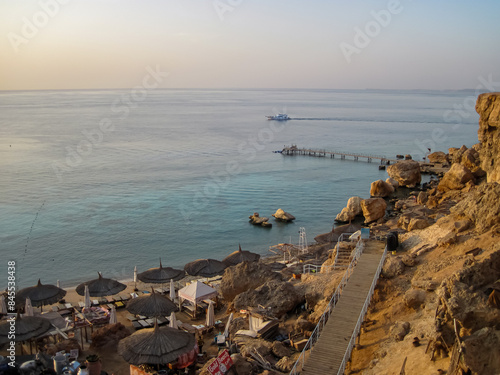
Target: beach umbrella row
(101,287)
(39,295)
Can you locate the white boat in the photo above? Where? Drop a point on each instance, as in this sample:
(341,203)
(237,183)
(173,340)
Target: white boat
(279,117)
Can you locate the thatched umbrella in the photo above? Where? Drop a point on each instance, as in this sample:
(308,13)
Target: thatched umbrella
(205,268)
(155,345)
(153,305)
(160,275)
(101,287)
(40,294)
(27,327)
(240,256)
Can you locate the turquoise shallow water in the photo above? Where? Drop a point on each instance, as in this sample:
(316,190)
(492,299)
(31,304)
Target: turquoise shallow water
(181,170)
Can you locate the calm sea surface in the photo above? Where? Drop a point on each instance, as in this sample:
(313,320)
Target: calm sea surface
(106,180)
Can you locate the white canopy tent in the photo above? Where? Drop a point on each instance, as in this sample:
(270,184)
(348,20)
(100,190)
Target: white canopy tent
(196,292)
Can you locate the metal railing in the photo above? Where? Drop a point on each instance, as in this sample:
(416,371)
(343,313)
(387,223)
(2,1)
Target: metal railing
(328,311)
(361,318)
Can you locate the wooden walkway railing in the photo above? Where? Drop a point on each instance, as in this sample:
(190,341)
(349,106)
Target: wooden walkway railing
(332,349)
(294,150)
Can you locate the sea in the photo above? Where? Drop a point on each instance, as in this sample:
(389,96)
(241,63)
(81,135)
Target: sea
(108,180)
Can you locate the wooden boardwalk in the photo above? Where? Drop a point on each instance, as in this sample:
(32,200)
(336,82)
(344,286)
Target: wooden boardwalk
(294,150)
(328,353)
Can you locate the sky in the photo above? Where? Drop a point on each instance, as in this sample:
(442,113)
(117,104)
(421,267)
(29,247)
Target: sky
(325,44)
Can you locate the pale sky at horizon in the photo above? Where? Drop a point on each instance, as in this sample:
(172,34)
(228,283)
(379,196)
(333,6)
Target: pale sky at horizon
(87,44)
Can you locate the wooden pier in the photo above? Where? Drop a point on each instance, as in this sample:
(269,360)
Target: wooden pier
(294,150)
(329,354)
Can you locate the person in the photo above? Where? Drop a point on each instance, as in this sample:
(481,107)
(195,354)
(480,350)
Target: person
(200,344)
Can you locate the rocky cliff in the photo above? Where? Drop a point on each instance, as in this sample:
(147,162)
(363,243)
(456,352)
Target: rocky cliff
(488,107)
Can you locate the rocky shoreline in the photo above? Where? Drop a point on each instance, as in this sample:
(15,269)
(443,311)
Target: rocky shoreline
(436,307)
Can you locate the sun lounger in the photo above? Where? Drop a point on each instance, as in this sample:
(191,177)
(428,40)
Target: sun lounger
(161,320)
(136,324)
(134,295)
(81,304)
(131,318)
(119,304)
(124,297)
(68,305)
(150,321)
(117,298)
(144,324)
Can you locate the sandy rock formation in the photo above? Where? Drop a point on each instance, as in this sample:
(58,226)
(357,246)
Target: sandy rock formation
(278,296)
(422,197)
(352,210)
(488,107)
(481,207)
(280,350)
(400,330)
(281,215)
(414,298)
(381,189)
(455,178)
(245,276)
(373,209)
(438,157)
(393,266)
(285,364)
(255,219)
(418,223)
(263,347)
(406,173)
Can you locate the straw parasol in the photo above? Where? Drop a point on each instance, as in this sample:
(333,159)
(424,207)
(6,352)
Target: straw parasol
(101,287)
(160,275)
(155,345)
(205,268)
(40,294)
(152,305)
(240,256)
(27,327)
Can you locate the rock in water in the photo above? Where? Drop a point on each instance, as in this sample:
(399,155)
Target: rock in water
(438,157)
(281,215)
(406,173)
(373,209)
(455,178)
(381,189)
(488,107)
(255,219)
(352,209)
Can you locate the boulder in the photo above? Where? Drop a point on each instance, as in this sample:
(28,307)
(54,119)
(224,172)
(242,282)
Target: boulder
(400,330)
(406,173)
(422,198)
(279,297)
(470,160)
(438,157)
(263,347)
(349,212)
(418,223)
(393,266)
(281,215)
(457,155)
(408,260)
(480,352)
(245,276)
(455,178)
(285,364)
(462,225)
(381,189)
(414,298)
(280,350)
(241,365)
(488,108)
(303,325)
(255,219)
(373,209)
(393,182)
